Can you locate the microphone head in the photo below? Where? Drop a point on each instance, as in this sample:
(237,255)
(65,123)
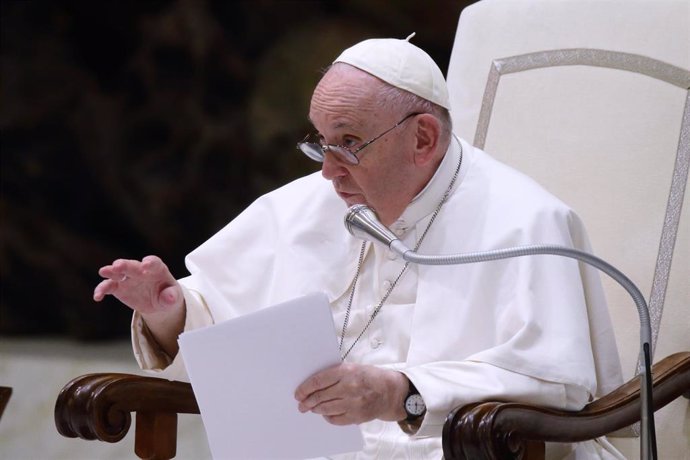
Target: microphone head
(362,222)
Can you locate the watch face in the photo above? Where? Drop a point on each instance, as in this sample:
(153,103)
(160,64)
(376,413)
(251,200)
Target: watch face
(414,405)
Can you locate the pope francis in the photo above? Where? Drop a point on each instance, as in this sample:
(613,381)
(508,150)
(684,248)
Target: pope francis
(416,341)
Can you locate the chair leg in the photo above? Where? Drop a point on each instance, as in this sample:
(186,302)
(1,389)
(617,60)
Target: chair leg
(156,435)
(5,393)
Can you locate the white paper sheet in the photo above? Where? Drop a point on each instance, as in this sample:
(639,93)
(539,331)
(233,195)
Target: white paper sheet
(244,373)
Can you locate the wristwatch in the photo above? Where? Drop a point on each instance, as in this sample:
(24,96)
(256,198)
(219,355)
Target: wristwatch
(414,404)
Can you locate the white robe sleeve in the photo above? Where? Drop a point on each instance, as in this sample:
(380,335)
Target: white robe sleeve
(478,381)
(148,353)
(268,254)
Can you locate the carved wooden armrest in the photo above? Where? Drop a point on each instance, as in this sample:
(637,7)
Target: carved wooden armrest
(98,406)
(504,430)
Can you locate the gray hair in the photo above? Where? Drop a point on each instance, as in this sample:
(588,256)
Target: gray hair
(395,99)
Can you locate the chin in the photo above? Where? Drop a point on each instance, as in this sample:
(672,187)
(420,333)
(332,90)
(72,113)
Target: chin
(352,199)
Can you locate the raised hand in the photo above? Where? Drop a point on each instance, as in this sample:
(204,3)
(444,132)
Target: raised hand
(148,287)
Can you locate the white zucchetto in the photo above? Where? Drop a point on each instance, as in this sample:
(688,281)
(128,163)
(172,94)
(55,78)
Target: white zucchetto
(401,64)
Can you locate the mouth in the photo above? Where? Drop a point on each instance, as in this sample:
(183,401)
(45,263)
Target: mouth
(350,198)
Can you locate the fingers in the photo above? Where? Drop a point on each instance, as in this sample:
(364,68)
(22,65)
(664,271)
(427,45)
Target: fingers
(340,419)
(104,288)
(317,382)
(316,398)
(330,408)
(152,265)
(137,283)
(337,408)
(333,405)
(122,269)
(354,393)
(118,272)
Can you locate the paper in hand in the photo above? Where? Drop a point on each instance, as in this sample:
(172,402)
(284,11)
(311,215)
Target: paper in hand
(244,373)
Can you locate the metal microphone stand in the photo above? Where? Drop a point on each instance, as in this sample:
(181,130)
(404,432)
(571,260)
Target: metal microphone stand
(362,222)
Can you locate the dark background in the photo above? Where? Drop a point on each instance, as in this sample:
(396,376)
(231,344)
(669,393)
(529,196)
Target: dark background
(131,128)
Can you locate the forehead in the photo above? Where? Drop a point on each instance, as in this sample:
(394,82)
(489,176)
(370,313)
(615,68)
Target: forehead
(344,98)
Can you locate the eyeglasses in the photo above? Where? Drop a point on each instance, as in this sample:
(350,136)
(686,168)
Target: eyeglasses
(314,149)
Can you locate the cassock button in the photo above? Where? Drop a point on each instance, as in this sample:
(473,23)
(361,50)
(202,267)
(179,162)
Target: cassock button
(376,342)
(386,285)
(392,255)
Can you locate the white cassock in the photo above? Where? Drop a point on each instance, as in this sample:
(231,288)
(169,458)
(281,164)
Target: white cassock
(533,329)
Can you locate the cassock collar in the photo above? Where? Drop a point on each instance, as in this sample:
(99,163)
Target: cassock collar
(428,199)
(421,206)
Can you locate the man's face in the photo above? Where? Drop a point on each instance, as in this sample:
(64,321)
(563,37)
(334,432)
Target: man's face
(345,112)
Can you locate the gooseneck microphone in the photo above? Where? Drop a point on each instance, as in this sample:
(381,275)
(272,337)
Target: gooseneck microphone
(362,222)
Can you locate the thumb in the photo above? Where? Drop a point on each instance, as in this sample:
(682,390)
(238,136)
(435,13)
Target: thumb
(171,297)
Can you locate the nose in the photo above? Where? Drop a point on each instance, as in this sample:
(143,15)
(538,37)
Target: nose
(332,168)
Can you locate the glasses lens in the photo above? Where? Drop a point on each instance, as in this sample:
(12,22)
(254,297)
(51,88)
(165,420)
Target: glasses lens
(315,152)
(343,154)
(312,150)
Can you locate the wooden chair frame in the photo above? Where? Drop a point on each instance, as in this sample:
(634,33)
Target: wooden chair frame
(5,394)
(98,406)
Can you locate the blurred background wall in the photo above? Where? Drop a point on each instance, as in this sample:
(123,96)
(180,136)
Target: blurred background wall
(142,127)
(130,128)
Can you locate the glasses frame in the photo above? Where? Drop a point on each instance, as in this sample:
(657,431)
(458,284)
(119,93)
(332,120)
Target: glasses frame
(317,151)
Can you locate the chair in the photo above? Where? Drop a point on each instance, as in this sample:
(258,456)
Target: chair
(607,66)
(5,394)
(591,100)
(98,406)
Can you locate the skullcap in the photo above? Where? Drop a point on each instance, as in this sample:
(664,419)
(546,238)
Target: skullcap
(401,64)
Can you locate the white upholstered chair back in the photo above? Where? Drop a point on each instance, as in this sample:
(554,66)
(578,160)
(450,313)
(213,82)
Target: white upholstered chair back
(591,99)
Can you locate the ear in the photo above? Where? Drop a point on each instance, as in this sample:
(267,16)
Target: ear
(427,136)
